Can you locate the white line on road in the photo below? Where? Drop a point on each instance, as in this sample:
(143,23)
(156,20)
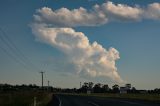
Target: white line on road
(92,103)
(128,102)
(60,102)
(134,103)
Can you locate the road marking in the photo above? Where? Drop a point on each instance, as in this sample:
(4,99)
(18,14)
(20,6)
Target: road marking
(92,103)
(60,102)
(128,102)
(131,103)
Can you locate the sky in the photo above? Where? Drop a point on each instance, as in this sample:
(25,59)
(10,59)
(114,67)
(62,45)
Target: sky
(73,41)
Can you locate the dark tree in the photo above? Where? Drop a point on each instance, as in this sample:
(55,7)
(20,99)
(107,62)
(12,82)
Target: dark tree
(105,88)
(84,87)
(97,88)
(115,88)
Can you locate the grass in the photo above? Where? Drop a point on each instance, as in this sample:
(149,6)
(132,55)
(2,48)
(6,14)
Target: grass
(146,97)
(25,98)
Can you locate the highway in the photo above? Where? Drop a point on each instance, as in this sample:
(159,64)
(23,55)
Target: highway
(73,100)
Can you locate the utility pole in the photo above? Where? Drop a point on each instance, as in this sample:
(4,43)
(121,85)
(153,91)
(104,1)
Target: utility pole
(48,84)
(42,72)
(80,84)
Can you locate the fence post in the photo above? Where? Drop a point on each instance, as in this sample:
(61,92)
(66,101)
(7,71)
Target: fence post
(35,101)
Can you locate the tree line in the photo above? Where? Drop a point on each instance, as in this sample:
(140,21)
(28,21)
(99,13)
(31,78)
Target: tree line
(90,87)
(87,87)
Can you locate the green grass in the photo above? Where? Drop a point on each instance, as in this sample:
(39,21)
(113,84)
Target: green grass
(24,98)
(147,97)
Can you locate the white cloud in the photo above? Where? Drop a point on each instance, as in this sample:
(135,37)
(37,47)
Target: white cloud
(89,60)
(153,11)
(69,18)
(121,12)
(98,15)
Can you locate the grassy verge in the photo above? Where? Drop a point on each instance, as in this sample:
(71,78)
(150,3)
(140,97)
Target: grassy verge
(146,97)
(25,98)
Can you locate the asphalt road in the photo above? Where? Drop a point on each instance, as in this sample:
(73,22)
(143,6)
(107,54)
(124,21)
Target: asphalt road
(72,100)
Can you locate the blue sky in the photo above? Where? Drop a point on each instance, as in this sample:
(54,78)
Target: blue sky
(137,43)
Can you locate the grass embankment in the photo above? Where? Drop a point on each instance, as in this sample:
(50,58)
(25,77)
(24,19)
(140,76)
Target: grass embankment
(146,97)
(25,98)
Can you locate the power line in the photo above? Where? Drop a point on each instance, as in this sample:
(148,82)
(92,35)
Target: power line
(11,47)
(7,42)
(15,53)
(10,43)
(14,58)
(7,51)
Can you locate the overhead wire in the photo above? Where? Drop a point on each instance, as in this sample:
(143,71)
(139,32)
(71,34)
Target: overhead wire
(14,52)
(11,56)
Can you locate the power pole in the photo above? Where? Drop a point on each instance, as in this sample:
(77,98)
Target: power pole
(42,72)
(48,84)
(80,84)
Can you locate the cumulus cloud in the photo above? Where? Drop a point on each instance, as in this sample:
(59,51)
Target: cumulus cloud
(69,18)
(55,27)
(153,11)
(98,15)
(89,60)
(121,12)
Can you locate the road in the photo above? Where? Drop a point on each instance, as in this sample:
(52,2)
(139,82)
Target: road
(73,100)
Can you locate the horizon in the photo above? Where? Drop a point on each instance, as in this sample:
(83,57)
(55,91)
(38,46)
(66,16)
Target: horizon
(100,41)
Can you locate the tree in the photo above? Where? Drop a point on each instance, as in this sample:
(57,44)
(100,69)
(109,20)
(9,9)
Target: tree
(105,88)
(115,88)
(84,87)
(97,88)
(156,90)
(90,85)
(133,90)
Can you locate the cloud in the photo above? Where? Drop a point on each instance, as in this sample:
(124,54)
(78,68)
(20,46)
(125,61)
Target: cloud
(55,27)
(69,18)
(89,60)
(153,11)
(98,15)
(121,12)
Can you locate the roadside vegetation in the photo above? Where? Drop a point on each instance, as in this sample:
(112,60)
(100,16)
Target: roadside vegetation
(26,98)
(26,95)
(103,90)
